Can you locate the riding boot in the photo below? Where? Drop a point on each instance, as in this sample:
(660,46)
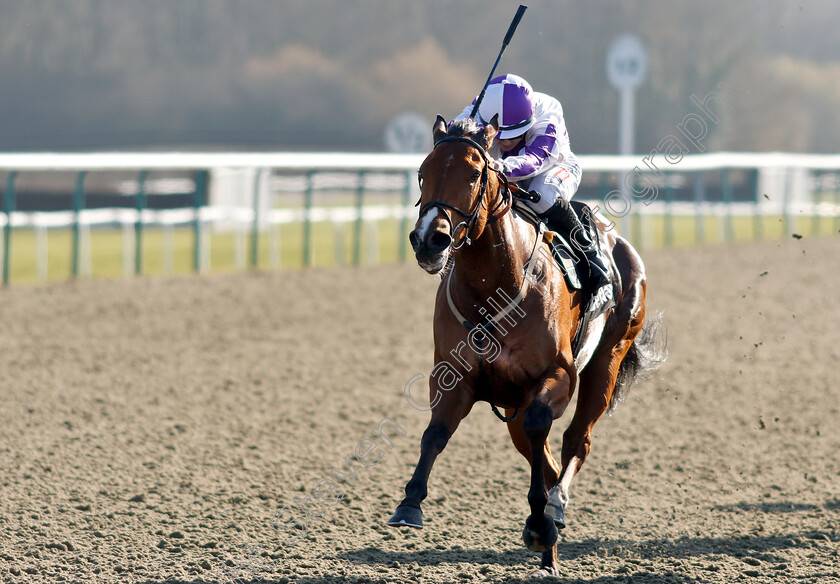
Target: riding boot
(562,218)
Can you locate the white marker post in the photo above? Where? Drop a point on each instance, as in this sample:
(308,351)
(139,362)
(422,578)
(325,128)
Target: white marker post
(626,68)
(408,133)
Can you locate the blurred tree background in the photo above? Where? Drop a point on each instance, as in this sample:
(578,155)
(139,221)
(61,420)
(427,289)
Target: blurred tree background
(329,74)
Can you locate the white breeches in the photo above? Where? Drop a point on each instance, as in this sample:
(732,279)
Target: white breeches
(558,182)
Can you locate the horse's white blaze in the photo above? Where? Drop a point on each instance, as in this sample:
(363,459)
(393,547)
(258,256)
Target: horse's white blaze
(426,222)
(591,340)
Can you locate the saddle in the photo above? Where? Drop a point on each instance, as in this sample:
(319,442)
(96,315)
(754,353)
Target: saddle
(570,258)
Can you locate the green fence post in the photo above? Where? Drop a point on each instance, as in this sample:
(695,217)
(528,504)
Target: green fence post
(140,205)
(699,198)
(637,230)
(78,205)
(200,180)
(815,211)
(836,201)
(255,228)
(308,256)
(603,191)
(404,220)
(8,207)
(603,185)
(669,210)
(726,197)
(357,232)
(786,202)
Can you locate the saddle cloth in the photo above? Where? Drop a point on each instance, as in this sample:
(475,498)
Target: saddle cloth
(571,260)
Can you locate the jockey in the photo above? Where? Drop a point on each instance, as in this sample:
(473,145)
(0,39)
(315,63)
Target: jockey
(532,149)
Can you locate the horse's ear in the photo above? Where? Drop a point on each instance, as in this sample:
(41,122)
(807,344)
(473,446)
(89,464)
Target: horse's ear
(439,129)
(490,131)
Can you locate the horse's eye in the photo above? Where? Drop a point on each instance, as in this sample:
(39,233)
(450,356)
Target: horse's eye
(474,177)
(420,178)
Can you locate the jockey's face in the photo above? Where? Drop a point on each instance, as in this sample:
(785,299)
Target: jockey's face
(508,145)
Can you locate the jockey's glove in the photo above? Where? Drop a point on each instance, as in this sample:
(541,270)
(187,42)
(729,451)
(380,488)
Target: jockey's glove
(497,165)
(532,196)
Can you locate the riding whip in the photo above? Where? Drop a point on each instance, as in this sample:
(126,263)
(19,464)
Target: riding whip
(512,29)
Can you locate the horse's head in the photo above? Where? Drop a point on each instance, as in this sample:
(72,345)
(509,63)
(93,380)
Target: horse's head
(454,183)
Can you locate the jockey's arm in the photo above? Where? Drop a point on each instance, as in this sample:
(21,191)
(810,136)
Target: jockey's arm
(542,151)
(543,148)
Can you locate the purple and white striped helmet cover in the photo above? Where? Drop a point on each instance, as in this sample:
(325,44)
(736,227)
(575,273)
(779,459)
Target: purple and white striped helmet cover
(510,97)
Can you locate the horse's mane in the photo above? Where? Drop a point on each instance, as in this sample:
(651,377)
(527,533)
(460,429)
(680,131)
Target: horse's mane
(465,127)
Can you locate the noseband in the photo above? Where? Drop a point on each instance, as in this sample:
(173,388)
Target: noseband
(471,218)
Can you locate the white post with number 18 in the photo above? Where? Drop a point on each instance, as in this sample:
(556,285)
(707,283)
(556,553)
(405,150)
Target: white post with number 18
(626,68)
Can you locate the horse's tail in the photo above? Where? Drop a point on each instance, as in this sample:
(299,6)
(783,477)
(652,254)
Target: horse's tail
(648,351)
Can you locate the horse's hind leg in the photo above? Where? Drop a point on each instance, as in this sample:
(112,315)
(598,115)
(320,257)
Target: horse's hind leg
(540,533)
(596,386)
(551,474)
(551,469)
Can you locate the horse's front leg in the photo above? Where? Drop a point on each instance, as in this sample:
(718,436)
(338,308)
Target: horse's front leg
(540,533)
(452,406)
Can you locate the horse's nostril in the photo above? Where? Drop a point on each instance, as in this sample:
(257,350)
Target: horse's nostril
(439,241)
(414,239)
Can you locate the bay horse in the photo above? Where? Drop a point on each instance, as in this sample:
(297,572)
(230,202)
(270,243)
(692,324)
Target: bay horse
(517,354)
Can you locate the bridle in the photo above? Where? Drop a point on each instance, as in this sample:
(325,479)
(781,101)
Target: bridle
(471,218)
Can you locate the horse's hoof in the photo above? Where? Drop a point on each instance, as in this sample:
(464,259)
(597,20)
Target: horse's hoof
(539,536)
(554,508)
(545,573)
(406,516)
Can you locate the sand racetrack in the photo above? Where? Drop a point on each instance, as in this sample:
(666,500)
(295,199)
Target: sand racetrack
(150,430)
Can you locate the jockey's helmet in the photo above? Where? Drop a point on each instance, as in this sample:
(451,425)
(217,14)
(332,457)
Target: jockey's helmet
(509,96)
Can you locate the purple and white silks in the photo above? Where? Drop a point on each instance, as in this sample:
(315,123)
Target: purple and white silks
(546,147)
(546,142)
